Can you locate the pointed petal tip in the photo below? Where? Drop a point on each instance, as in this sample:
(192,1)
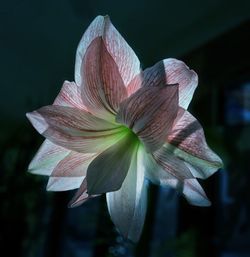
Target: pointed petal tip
(73,204)
(58,184)
(49,186)
(32,171)
(76,202)
(205,202)
(37,121)
(106,17)
(195,194)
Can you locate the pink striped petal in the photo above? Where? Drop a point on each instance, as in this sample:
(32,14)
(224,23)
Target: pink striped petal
(81,195)
(168,172)
(127,206)
(150,113)
(50,154)
(73,165)
(103,88)
(187,141)
(70,95)
(178,72)
(75,129)
(125,58)
(46,159)
(168,71)
(174,166)
(108,170)
(135,84)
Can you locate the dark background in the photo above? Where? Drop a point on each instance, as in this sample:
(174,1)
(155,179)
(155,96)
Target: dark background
(38,40)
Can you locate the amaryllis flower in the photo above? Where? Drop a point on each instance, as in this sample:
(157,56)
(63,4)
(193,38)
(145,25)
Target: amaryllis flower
(117,126)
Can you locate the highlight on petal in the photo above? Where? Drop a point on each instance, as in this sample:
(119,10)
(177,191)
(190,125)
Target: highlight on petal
(64,183)
(103,88)
(187,141)
(108,170)
(46,159)
(75,129)
(127,206)
(73,165)
(150,113)
(70,95)
(168,71)
(123,55)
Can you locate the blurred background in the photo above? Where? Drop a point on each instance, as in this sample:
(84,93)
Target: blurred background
(38,40)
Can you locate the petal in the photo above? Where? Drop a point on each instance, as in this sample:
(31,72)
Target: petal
(175,167)
(127,206)
(194,193)
(73,165)
(150,113)
(75,129)
(187,141)
(125,58)
(49,154)
(108,170)
(166,170)
(169,71)
(47,157)
(64,183)
(103,88)
(135,84)
(70,95)
(81,195)
(191,189)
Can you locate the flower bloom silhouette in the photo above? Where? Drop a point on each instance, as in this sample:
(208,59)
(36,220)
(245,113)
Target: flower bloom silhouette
(117,126)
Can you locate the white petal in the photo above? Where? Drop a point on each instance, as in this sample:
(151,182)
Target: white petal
(94,30)
(178,72)
(64,183)
(127,206)
(70,95)
(125,58)
(47,157)
(187,141)
(177,176)
(194,193)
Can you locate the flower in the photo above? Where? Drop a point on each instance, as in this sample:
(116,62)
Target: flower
(117,126)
